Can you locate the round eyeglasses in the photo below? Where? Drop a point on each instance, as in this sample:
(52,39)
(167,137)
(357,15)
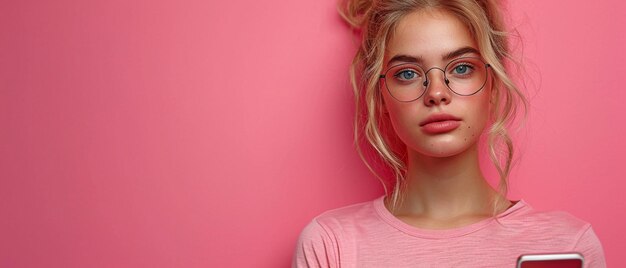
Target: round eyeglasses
(464,76)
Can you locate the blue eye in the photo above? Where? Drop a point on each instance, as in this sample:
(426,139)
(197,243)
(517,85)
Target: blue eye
(462,69)
(406,75)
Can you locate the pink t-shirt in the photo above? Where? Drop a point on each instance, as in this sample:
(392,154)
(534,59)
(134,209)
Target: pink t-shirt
(368,235)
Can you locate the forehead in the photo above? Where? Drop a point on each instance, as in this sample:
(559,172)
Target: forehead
(429,35)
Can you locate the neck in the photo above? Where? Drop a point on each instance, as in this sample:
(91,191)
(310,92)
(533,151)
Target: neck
(446,187)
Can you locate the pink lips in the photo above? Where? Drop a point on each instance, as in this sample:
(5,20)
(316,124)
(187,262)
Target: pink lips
(440,123)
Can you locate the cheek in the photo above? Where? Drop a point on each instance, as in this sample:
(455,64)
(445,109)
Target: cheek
(401,116)
(478,119)
(473,129)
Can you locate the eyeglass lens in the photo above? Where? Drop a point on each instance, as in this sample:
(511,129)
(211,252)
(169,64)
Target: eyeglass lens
(464,76)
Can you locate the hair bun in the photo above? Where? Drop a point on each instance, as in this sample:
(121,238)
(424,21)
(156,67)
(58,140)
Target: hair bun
(355,12)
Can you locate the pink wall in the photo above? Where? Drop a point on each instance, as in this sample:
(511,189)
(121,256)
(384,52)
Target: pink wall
(208,133)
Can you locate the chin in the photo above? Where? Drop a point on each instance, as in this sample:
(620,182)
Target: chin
(442,150)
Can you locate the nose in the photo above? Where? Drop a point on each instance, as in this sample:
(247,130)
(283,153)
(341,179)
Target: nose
(437,91)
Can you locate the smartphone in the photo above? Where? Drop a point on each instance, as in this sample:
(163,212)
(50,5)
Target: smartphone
(554,260)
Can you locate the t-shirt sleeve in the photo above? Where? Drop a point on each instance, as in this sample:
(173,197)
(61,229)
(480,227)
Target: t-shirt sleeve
(589,245)
(315,248)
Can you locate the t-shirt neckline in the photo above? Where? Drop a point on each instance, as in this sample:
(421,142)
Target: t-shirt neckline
(390,219)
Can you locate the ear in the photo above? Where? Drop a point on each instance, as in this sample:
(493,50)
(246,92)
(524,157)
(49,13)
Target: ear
(494,93)
(383,107)
(381,103)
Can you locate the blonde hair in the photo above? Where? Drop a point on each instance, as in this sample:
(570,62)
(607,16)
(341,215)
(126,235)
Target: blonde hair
(376,20)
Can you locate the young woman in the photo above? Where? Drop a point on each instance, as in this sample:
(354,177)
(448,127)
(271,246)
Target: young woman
(430,79)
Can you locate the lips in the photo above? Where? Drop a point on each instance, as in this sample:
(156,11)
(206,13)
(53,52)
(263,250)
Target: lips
(440,123)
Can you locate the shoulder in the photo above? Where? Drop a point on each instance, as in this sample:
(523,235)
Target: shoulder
(559,228)
(339,223)
(319,242)
(557,221)
(349,216)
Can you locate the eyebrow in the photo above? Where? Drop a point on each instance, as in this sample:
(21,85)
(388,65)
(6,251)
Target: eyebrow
(446,57)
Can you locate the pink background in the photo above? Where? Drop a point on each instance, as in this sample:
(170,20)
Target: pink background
(207,133)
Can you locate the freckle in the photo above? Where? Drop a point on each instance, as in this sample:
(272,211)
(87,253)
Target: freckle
(469,127)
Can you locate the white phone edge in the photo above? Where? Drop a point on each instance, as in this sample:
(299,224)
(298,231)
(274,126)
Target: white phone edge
(550,256)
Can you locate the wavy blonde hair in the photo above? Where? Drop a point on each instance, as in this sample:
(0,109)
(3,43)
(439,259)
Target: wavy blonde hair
(376,21)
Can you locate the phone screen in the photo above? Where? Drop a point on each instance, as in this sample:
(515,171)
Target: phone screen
(554,260)
(552,264)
